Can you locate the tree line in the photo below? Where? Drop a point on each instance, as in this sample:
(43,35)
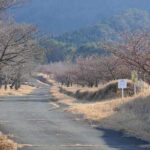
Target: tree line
(18,49)
(84,42)
(132,52)
(108,28)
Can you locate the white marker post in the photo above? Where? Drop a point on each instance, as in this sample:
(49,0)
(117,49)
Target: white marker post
(141,85)
(122,84)
(122,93)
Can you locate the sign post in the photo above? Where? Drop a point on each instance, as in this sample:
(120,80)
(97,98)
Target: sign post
(135,89)
(122,93)
(134,76)
(122,84)
(141,85)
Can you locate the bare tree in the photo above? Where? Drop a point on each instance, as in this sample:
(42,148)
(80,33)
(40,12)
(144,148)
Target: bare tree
(133,51)
(88,71)
(6,4)
(17,47)
(15,43)
(17,50)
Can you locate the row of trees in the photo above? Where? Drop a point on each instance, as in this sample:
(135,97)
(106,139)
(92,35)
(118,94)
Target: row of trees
(131,53)
(87,71)
(17,48)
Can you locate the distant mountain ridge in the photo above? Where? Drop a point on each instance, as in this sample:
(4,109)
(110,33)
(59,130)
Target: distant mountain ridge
(59,16)
(85,41)
(109,29)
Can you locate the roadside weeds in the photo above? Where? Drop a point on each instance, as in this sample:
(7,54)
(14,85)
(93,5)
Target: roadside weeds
(6,144)
(23,91)
(132,114)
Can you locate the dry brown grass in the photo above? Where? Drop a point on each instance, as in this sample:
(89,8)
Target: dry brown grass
(6,144)
(103,92)
(132,114)
(62,98)
(24,90)
(75,88)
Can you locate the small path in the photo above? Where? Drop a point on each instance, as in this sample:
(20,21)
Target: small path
(39,126)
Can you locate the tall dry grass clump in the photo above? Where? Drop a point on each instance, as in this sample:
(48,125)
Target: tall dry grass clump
(131,114)
(6,144)
(100,93)
(22,91)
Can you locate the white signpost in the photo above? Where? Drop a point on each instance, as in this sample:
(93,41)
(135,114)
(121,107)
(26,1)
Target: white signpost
(122,84)
(59,84)
(141,85)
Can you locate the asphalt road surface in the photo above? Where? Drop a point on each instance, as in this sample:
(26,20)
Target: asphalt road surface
(40,126)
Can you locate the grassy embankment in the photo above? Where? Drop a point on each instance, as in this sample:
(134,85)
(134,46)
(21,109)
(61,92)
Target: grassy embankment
(6,144)
(132,114)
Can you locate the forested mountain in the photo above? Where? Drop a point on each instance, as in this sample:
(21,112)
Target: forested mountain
(108,29)
(76,26)
(85,41)
(59,16)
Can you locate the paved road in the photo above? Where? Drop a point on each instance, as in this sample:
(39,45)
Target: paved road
(32,121)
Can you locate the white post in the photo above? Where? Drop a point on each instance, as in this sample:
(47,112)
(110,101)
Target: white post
(144,83)
(122,93)
(135,89)
(144,86)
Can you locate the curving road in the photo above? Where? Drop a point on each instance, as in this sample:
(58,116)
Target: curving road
(40,126)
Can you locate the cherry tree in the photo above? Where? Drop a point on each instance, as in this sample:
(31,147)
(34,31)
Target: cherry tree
(133,51)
